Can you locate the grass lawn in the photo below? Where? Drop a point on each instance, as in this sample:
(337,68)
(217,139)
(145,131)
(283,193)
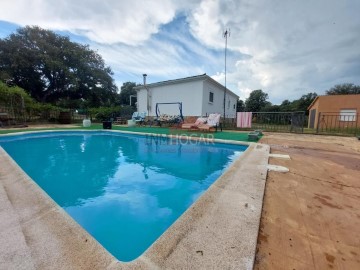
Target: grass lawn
(225,135)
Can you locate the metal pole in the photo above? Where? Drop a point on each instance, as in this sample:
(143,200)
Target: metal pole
(226,34)
(131,96)
(318,123)
(356,122)
(147,95)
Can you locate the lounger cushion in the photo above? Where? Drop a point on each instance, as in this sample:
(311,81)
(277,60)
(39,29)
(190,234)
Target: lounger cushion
(200,121)
(213,119)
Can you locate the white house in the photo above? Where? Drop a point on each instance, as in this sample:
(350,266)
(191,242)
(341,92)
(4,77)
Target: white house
(200,95)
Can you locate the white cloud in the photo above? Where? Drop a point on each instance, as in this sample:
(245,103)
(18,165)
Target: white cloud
(286,48)
(294,46)
(111,21)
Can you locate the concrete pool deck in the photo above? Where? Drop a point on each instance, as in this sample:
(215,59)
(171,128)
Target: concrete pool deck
(219,231)
(311,215)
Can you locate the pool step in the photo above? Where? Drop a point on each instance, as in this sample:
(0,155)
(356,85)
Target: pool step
(277,168)
(279,156)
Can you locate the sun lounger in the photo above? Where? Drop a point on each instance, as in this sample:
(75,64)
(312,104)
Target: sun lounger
(212,123)
(199,121)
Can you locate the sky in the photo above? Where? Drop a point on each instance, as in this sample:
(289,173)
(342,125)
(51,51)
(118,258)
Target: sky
(286,48)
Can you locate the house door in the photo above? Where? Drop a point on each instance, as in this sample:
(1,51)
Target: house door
(312,118)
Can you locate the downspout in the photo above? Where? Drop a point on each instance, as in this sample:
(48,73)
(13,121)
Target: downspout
(148,94)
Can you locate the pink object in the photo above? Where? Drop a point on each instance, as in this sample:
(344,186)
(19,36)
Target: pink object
(244,119)
(200,121)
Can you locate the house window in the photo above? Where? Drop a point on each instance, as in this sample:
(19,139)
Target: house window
(211,97)
(228,104)
(348,115)
(234,107)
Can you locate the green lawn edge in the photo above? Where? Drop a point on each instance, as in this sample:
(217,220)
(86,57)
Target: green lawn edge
(224,135)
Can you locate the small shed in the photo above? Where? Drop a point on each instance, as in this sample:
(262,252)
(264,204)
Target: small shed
(343,109)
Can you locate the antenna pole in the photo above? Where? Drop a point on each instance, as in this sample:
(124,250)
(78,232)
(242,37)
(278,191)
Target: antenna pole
(226,34)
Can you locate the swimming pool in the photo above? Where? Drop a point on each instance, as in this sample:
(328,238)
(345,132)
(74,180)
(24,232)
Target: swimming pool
(125,190)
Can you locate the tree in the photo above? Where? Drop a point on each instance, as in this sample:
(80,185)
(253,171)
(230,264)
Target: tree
(52,68)
(300,104)
(256,101)
(240,106)
(127,89)
(270,107)
(344,89)
(286,106)
(304,102)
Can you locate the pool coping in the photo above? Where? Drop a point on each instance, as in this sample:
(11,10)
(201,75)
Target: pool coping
(218,231)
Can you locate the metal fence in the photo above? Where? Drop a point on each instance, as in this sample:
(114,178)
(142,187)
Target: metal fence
(337,124)
(279,121)
(297,122)
(273,121)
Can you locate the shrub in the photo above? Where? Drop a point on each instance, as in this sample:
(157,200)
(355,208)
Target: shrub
(106,113)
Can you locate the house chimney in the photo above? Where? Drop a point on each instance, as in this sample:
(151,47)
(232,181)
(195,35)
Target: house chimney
(144,75)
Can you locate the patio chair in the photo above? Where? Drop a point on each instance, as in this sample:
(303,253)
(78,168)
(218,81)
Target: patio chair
(135,116)
(139,118)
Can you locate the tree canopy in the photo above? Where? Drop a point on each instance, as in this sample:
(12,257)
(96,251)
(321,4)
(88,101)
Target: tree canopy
(344,89)
(53,69)
(256,101)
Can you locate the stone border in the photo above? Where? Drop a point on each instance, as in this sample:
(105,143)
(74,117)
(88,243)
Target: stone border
(219,231)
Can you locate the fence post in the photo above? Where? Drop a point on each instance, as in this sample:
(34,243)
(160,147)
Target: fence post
(318,123)
(302,122)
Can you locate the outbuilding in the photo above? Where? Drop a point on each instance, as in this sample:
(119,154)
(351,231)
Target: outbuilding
(335,111)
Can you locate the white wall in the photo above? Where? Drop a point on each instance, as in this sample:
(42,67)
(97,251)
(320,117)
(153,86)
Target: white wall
(189,93)
(217,106)
(141,101)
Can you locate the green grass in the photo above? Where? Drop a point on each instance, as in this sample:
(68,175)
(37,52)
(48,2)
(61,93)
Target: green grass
(225,135)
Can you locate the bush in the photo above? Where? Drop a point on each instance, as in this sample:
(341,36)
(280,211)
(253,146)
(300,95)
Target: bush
(15,96)
(106,113)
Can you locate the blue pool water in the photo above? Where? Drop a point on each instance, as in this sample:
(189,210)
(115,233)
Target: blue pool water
(125,190)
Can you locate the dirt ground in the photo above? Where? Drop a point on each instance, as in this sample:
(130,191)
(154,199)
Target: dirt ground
(311,215)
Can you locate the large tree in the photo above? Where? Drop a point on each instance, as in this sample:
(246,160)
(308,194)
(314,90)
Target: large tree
(256,101)
(344,89)
(240,105)
(52,68)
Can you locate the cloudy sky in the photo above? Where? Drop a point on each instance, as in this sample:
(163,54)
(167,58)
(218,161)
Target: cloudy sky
(286,48)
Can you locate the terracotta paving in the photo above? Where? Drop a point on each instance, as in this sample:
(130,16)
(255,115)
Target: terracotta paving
(311,215)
